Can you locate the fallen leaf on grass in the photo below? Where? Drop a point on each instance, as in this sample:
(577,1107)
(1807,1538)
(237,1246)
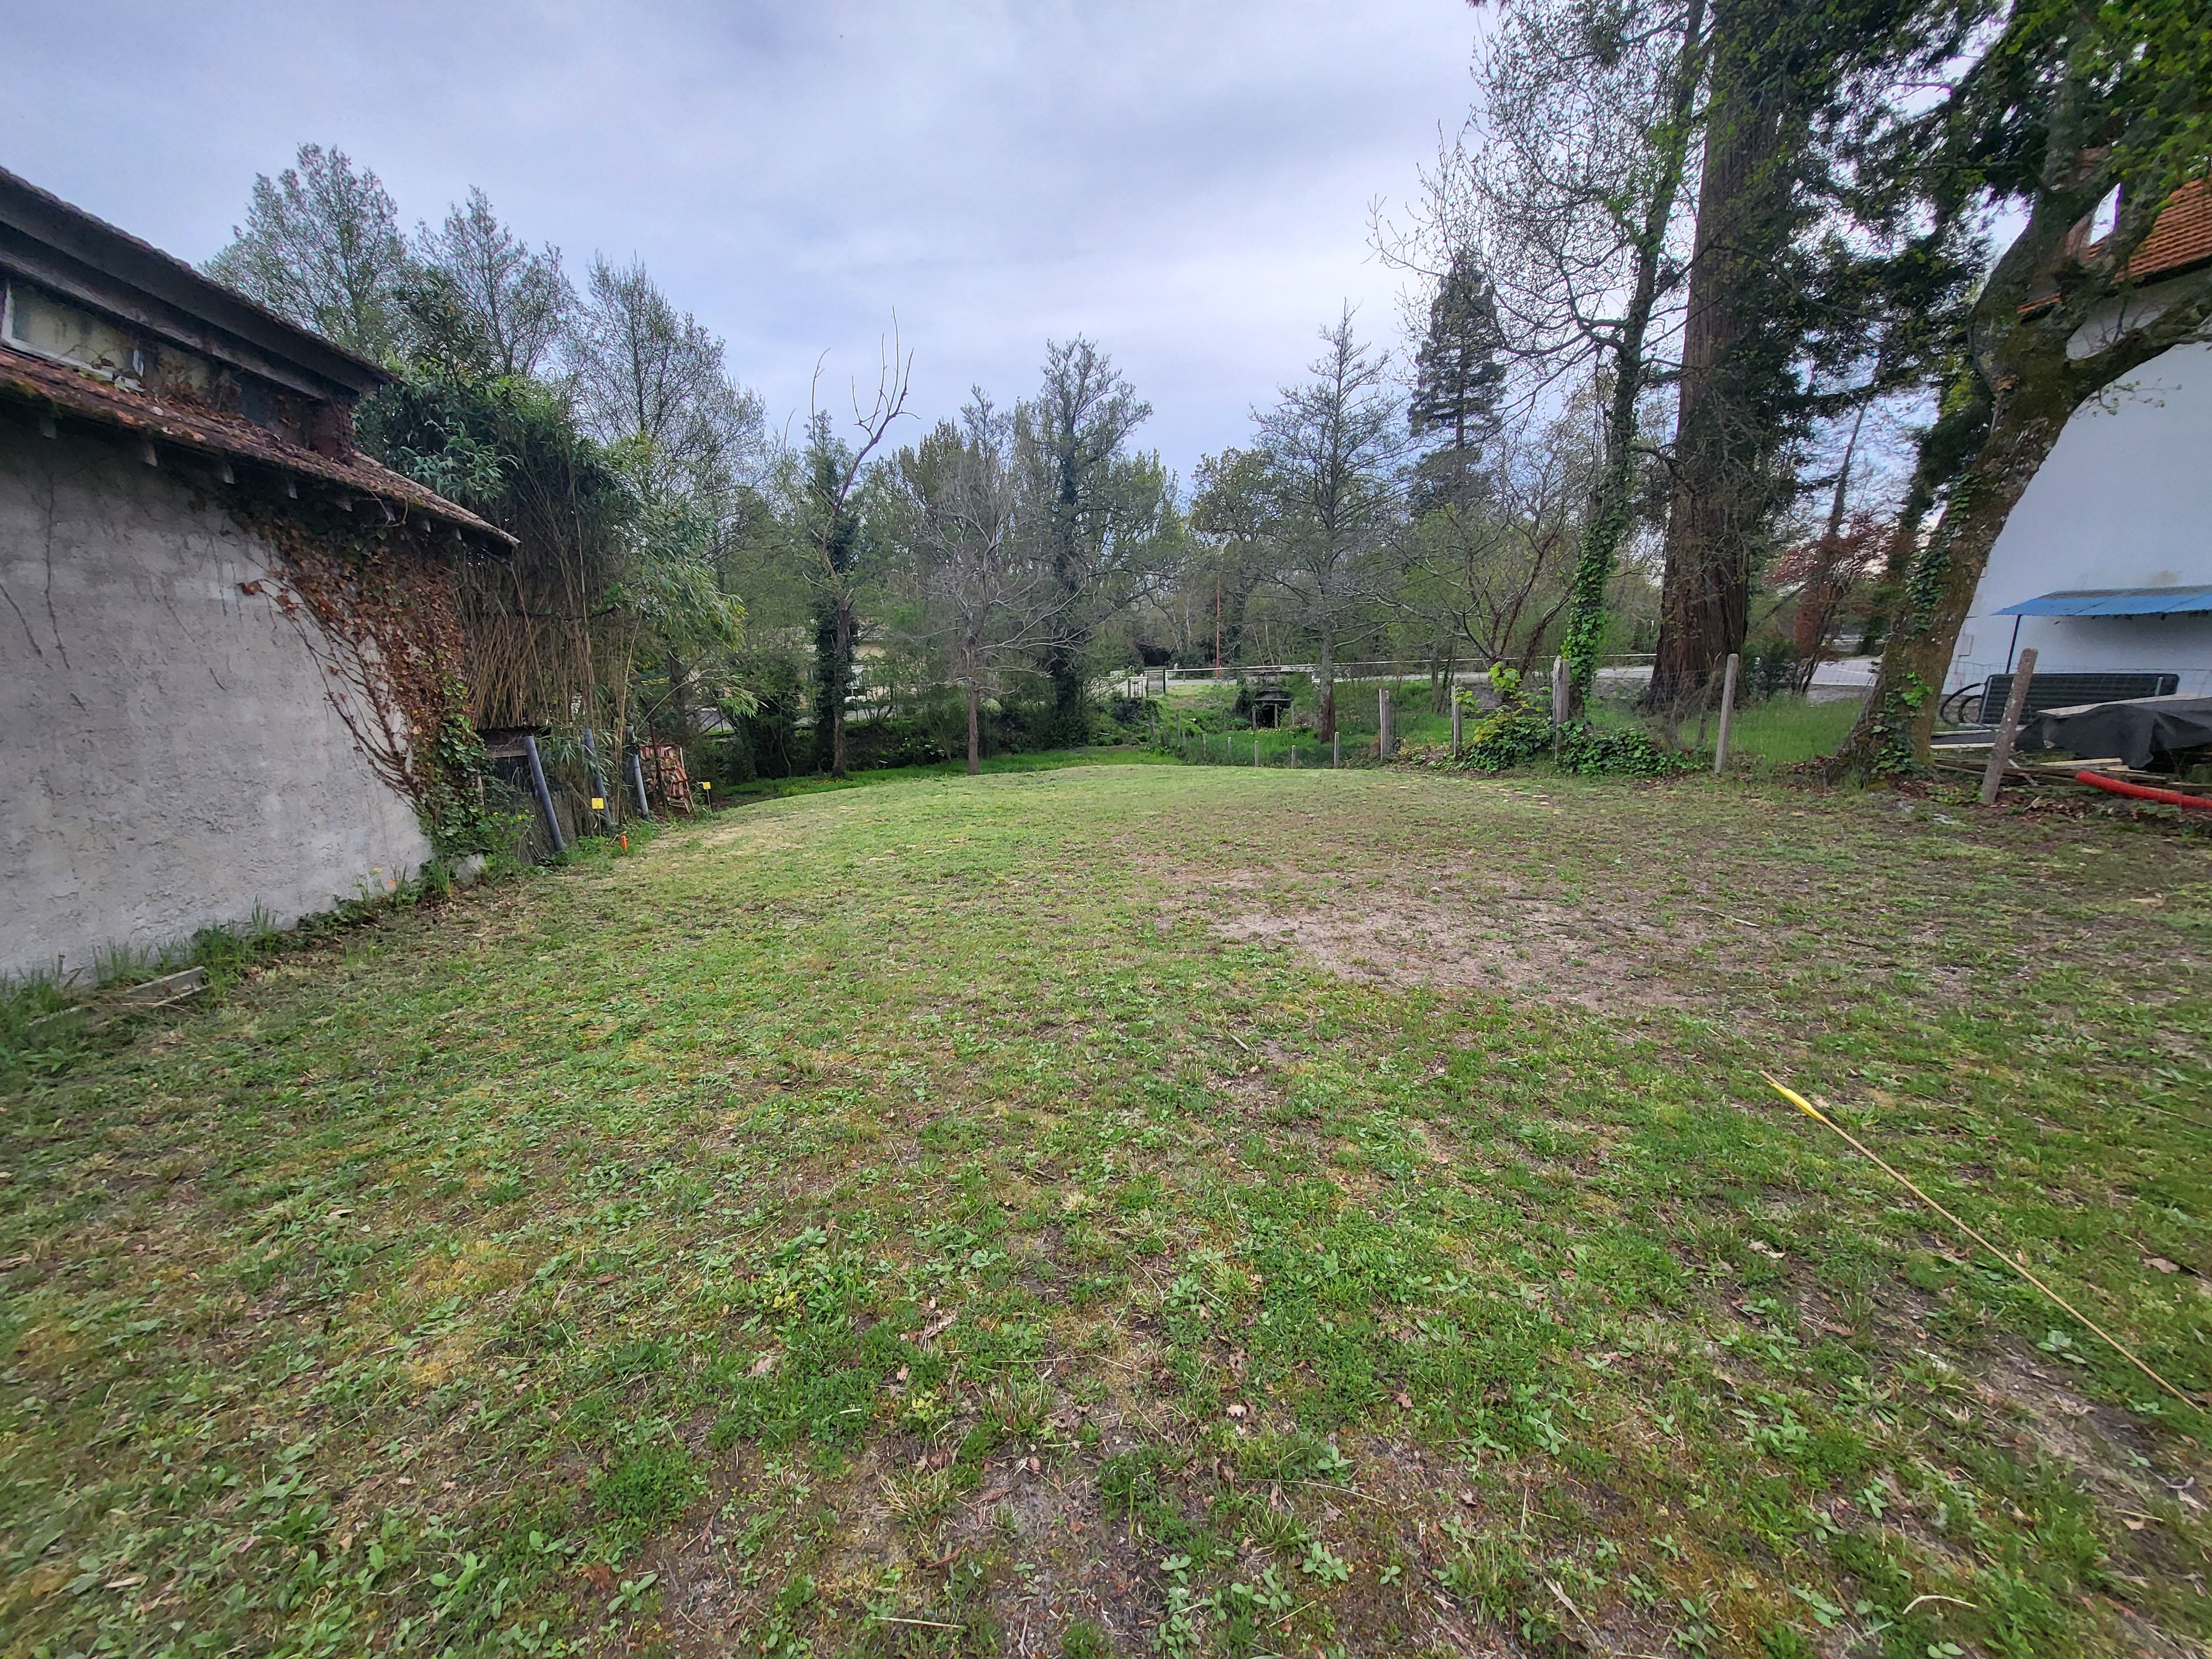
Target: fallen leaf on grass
(2161,1264)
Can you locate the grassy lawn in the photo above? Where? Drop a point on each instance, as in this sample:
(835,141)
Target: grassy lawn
(1784,731)
(1050,760)
(1132,1209)
(1781,732)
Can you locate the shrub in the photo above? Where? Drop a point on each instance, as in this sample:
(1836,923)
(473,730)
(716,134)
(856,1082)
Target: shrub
(1622,751)
(1517,732)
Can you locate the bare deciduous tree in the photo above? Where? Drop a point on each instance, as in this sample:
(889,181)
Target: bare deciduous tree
(1494,570)
(1331,506)
(1568,185)
(984,599)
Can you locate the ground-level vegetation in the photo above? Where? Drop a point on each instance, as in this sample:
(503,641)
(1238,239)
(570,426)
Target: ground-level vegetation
(1146,1209)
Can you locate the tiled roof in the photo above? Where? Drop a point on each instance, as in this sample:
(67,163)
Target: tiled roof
(53,388)
(2182,238)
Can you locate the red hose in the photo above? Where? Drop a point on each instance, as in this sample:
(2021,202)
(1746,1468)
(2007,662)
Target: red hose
(2122,787)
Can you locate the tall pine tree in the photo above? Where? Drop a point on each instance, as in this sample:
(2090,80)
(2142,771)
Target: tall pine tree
(1458,382)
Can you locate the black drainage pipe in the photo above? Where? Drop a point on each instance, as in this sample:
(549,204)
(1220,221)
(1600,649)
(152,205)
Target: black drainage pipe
(544,795)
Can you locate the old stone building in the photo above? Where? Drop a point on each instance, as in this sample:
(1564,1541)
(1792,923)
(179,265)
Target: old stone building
(228,663)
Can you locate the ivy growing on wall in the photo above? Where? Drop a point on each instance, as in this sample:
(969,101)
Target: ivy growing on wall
(373,605)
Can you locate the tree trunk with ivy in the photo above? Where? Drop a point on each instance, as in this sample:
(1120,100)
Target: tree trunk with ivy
(2066,109)
(1936,585)
(1612,499)
(1738,349)
(835,631)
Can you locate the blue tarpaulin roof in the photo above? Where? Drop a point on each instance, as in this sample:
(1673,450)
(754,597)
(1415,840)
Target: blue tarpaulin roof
(2116,602)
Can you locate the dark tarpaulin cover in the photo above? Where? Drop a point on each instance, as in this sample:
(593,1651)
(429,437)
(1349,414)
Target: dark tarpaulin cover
(2132,730)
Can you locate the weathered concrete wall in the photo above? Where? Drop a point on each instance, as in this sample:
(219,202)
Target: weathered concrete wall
(170,758)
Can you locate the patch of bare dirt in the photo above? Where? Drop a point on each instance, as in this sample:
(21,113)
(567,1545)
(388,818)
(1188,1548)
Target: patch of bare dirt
(1441,929)
(2103,1445)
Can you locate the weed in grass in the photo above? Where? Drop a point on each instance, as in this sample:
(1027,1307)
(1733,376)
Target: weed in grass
(917,1498)
(652,1485)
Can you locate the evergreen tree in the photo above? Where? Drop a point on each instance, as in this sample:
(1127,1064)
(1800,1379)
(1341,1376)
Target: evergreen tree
(1458,381)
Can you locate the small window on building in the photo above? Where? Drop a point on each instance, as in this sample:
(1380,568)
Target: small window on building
(44,326)
(2106,218)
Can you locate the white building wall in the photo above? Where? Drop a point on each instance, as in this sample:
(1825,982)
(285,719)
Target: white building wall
(170,757)
(2124,501)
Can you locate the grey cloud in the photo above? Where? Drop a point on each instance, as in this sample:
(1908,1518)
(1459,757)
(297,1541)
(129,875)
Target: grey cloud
(1188,183)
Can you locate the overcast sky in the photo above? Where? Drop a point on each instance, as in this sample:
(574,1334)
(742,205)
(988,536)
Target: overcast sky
(1189,184)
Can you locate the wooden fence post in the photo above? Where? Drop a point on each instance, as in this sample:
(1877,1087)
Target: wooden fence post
(1382,737)
(1456,722)
(2007,727)
(1727,710)
(1335,749)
